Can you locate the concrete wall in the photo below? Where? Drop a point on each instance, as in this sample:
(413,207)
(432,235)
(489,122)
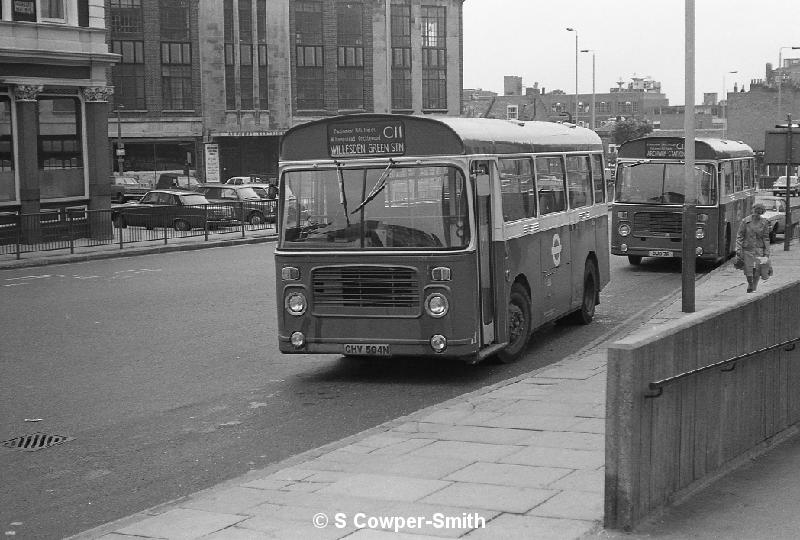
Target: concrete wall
(660,448)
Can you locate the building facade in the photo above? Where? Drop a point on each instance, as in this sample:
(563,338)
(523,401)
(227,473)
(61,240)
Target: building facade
(211,85)
(54,150)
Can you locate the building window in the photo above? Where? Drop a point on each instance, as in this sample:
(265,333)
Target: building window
(7,192)
(434,58)
(175,19)
(176,75)
(401,56)
(512,112)
(128,74)
(263,87)
(230,59)
(351,56)
(125,16)
(52,9)
(308,55)
(602,108)
(246,70)
(60,150)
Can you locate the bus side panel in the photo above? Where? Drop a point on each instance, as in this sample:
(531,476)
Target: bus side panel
(523,260)
(555,254)
(601,238)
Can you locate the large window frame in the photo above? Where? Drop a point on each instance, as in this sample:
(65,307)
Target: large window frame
(309,59)
(128,74)
(434,58)
(176,75)
(8,188)
(401,57)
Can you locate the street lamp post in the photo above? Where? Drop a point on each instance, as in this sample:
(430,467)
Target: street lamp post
(594,124)
(779,75)
(576,72)
(120,146)
(725,97)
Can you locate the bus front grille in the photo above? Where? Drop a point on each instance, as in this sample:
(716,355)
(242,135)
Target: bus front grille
(657,223)
(365,288)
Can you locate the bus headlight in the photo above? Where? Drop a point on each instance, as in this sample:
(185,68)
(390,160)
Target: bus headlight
(298,339)
(436,305)
(438,343)
(624,229)
(295,303)
(700,233)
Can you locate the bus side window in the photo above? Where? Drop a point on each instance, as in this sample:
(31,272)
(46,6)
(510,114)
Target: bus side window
(550,184)
(598,178)
(578,182)
(516,188)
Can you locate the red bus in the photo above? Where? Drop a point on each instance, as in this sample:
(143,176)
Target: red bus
(649,196)
(436,236)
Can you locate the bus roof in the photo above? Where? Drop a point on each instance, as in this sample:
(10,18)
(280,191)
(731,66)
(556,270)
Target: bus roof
(381,135)
(656,147)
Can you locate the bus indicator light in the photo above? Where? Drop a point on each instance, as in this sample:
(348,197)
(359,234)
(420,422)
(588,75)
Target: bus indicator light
(622,215)
(440,273)
(290,273)
(702,218)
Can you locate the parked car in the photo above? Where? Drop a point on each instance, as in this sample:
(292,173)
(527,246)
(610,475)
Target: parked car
(265,191)
(779,187)
(248,205)
(177,181)
(125,188)
(775,213)
(179,209)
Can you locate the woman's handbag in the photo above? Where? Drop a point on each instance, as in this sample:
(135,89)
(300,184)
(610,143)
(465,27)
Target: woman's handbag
(738,263)
(764,267)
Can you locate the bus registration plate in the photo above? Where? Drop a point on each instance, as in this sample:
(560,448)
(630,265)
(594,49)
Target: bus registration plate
(367,349)
(660,253)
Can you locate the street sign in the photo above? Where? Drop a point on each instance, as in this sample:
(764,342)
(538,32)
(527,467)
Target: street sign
(120,152)
(775,146)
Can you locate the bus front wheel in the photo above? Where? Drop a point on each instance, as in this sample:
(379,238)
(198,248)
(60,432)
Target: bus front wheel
(519,324)
(635,260)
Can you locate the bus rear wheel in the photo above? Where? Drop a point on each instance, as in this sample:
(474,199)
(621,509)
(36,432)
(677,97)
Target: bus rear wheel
(635,260)
(589,298)
(519,324)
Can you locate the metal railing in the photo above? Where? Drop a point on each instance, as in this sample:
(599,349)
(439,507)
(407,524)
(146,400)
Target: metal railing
(657,387)
(73,228)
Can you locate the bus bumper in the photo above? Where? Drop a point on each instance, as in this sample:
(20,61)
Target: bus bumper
(455,348)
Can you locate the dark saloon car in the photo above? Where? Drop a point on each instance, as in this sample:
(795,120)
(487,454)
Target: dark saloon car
(126,188)
(179,209)
(247,205)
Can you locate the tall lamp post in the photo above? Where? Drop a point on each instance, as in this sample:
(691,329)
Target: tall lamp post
(780,75)
(594,125)
(120,145)
(725,97)
(576,72)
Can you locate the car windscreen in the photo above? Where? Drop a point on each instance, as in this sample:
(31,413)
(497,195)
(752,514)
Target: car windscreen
(392,207)
(662,183)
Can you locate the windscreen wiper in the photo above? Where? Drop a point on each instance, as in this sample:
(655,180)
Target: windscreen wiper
(376,189)
(342,194)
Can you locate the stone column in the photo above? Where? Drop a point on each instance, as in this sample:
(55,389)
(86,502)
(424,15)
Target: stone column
(98,160)
(25,97)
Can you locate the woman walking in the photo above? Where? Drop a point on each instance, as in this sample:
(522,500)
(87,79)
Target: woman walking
(752,242)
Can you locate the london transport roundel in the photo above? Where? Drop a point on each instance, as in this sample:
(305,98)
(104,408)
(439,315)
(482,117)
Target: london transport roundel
(556,250)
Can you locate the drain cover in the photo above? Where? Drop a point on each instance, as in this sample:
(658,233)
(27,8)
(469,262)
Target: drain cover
(35,441)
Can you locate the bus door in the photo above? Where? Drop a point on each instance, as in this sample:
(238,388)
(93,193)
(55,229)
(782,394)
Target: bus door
(480,171)
(582,228)
(554,238)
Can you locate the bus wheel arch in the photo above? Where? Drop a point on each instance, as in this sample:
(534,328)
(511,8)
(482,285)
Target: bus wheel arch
(519,322)
(590,293)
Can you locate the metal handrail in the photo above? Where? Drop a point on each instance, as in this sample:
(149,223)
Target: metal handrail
(657,387)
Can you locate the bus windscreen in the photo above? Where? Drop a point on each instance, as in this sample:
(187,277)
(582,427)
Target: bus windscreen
(662,183)
(391,207)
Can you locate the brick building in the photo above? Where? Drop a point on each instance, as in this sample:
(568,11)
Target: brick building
(53,105)
(211,85)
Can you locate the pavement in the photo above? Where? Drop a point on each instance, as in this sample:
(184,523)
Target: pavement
(522,458)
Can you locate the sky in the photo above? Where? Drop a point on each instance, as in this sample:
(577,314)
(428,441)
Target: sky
(528,38)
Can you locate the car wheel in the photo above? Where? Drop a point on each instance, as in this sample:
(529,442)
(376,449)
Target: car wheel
(589,299)
(182,225)
(255,219)
(635,260)
(519,324)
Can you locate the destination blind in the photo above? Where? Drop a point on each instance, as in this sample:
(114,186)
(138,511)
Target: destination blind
(366,139)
